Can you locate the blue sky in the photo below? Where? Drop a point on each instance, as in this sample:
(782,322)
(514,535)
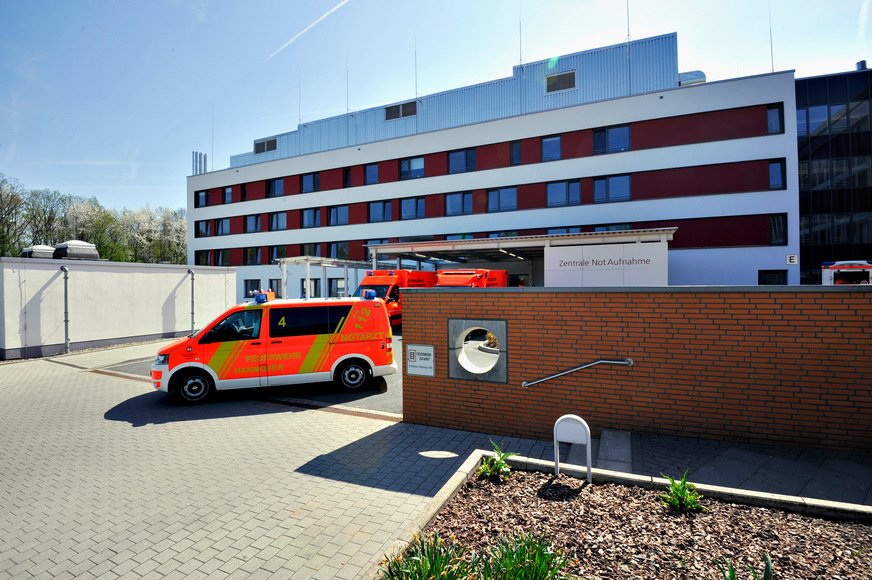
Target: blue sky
(108,98)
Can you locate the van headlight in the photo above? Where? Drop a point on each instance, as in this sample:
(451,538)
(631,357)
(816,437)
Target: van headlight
(162,359)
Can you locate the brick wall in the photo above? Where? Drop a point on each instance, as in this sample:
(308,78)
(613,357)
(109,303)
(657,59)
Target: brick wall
(790,366)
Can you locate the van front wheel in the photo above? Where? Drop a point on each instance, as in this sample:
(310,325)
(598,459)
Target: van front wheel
(193,388)
(352,375)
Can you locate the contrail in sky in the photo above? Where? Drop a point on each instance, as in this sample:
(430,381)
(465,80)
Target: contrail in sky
(307,29)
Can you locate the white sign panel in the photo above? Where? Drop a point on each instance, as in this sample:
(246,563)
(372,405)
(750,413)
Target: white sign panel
(420,360)
(607,265)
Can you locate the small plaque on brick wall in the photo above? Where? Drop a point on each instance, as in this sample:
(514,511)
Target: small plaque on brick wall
(420,360)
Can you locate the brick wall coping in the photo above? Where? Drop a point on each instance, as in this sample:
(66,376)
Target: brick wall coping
(647,289)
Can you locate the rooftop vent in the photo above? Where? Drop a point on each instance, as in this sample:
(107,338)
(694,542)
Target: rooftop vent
(76,250)
(861,65)
(38,251)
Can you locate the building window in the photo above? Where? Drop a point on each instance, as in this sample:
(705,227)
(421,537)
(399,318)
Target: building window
(278,252)
(777,175)
(613,228)
(775,119)
(275,284)
(310,250)
(838,118)
(609,189)
(201,229)
(252,287)
(337,216)
(336,287)
(228,195)
(461,161)
(859,116)
(771,277)
(379,211)
(314,290)
(222,227)
(563,193)
(412,168)
(346,177)
(560,82)
(412,208)
(801,122)
(458,237)
(817,120)
(505,199)
(515,153)
(339,250)
(275,188)
(278,221)
(370,174)
(458,203)
(558,231)
(778,229)
(611,140)
(251,224)
(312,218)
(201,199)
(222,257)
(243,192)
(251,257)
(264,146)
(403,110)
(506,234)
(201,258)
(550,148)
(310,182)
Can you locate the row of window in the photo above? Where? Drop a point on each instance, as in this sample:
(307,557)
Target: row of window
(850,117)
(610,189)
(838,173)
(605,140)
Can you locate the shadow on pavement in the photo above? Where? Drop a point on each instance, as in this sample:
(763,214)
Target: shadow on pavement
(401,457)
(157,408)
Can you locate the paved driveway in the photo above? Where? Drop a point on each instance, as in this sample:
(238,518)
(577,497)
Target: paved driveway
(101,476)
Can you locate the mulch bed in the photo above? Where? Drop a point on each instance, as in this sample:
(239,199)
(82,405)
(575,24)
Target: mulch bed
(614,531)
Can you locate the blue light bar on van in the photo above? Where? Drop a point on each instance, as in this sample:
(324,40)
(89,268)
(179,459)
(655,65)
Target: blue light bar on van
(369,272)
(391,273)
(369,294)
(260,298)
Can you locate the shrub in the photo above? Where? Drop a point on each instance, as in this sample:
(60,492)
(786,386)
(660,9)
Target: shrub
(427,557)
(682,496)
(523,556)
(495,468)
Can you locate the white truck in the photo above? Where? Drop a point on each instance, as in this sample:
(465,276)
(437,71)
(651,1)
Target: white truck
(846,272)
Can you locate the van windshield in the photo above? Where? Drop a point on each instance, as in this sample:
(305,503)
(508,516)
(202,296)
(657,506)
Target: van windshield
(381,290)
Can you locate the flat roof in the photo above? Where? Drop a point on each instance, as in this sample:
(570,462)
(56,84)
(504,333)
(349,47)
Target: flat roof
(508,249)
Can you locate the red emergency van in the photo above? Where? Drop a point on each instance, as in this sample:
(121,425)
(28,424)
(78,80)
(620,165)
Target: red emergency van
(387,284)
(279,342)
(477,278)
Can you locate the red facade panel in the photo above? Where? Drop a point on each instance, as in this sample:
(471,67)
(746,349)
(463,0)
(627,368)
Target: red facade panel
(716,232)
(531,150)
(356,175)
(236,256)
(256,190)
(532,196)
(479,201)
(699,128)
(356,251)
(294,220)
(292,185)
(434,205)
(236,225)
(701,180)
(331,179)
(357,213)
(389,171)
(577,144)
(436,164)
(586,190)
(492,156)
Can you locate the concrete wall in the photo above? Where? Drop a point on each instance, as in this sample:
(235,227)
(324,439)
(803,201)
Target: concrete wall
(776,365)
(109,303)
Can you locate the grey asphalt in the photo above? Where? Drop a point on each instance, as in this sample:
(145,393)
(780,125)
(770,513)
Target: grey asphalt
(103,477)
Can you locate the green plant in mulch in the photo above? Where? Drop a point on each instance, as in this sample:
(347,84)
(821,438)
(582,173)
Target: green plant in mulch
(495,468)
(682,496)
(427,557)
(522,556)
(730,573)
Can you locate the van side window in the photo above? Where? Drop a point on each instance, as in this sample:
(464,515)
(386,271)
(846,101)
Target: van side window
(395,293)
(242,325)
(306,320)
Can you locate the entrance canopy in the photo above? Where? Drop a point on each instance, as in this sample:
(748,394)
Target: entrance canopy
(514,249)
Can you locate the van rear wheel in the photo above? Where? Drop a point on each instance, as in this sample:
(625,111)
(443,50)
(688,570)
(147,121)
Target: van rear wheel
(193,388)
(352,375)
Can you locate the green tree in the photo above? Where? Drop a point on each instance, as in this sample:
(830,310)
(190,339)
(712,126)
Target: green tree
(11,224)
(44,212)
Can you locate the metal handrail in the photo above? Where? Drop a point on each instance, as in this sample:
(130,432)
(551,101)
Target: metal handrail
(626,362)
